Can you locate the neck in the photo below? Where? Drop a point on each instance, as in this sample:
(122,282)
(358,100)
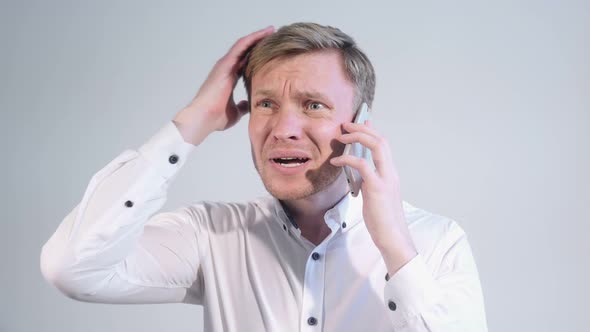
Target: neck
(309,212)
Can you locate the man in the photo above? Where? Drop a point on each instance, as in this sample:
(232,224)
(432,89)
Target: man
(309,258)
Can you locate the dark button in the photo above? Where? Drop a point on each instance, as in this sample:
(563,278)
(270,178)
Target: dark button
(173,159)
(284,227)
(344,225)
(315,256)
(387,276)
(312,321)
(392,305)
(129,204)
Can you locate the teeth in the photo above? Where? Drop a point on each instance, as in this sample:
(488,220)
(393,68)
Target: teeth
(290,161)
(291,165)
(290,158)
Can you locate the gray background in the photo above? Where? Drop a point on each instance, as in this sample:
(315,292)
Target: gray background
(485,104)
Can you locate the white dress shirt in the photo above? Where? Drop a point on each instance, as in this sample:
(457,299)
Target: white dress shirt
(248,264)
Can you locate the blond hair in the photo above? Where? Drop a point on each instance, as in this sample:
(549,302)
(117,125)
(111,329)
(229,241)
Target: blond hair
(299,38)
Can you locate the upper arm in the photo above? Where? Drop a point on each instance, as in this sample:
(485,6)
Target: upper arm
(162,266)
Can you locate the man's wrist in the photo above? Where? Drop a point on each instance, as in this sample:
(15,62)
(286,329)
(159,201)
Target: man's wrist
(396,258)
(192,125)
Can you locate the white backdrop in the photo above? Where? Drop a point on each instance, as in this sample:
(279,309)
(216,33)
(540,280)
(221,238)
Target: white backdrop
(486,105)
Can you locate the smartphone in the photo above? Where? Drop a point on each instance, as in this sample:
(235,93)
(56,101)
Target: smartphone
(358,150)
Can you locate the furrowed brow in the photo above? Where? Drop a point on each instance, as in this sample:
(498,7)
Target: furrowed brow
(264,92)
(311,95)
(301,94)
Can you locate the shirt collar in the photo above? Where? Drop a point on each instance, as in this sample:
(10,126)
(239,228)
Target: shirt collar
(346,214)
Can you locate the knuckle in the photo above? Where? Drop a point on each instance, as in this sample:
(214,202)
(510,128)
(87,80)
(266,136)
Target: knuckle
(358,163)
(364,164)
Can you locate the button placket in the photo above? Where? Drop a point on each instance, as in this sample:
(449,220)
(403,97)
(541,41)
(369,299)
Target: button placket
(313,290)
(314,284)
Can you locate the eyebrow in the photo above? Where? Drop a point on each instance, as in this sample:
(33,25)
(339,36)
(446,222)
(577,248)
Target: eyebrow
(300,94)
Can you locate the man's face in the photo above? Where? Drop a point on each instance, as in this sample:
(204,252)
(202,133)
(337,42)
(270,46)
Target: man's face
(297,108)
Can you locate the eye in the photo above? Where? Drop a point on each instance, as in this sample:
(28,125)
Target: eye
(316,106)
(265,103)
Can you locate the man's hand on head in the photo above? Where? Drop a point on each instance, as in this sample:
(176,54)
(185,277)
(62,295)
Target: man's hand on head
(213,108)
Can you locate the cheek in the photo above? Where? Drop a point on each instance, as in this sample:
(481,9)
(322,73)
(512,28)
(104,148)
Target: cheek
(327,136)
(256,132)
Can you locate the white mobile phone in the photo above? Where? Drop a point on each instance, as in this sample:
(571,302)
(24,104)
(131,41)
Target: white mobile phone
(358,150)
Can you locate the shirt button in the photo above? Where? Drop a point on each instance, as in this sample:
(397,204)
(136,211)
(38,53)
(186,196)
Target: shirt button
(344,225)
(284,227)
(129,204)
(392,305)
(315,256)
(387,276)
(312,321)
(173,159)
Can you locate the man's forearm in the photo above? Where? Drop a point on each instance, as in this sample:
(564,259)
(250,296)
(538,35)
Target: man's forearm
(192,125)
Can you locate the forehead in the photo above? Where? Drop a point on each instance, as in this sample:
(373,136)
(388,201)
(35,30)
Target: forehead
(321,72)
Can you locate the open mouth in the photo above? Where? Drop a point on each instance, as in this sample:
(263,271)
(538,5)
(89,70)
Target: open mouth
(290,161)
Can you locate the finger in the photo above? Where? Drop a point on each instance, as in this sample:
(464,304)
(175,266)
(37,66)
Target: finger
(367,173)
(365,128)
(242,66)
(351,127)
(243,107)
(378,146)
(242,44)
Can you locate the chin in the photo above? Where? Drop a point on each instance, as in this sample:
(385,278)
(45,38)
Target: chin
(289,192)
(315,181)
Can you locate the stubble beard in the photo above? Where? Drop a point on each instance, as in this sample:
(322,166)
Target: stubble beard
(316,180)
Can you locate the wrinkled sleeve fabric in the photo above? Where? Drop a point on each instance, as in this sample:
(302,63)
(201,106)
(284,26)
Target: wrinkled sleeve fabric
(448,300)
(114,247)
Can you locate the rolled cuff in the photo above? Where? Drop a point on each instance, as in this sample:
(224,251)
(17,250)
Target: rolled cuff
(410,291)
(167,151)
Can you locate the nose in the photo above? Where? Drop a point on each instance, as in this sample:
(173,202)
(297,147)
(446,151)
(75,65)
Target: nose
(287,125)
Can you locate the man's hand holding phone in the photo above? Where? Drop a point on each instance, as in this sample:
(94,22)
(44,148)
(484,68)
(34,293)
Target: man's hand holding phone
(213,108)
(353,177)
(382,202)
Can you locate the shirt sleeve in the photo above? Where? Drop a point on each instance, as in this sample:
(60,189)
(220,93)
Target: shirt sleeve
(449,300)
(114,248)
